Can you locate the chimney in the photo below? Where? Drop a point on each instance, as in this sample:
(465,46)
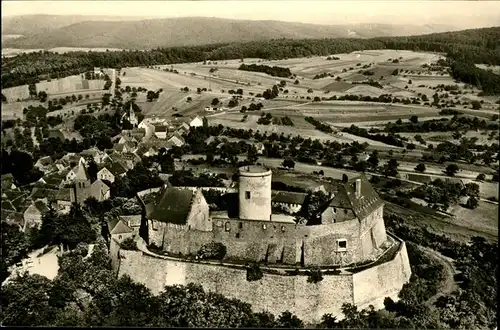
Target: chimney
(357,187)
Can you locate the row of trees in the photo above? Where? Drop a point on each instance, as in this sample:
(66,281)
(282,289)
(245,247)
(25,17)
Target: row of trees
(274,71)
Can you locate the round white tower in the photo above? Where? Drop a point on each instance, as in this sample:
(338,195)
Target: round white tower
(254,193)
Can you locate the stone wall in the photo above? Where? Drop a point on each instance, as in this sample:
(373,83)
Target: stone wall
(274,293)
(372,285)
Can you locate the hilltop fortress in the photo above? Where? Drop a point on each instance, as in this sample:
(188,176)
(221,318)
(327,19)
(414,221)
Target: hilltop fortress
(359,261)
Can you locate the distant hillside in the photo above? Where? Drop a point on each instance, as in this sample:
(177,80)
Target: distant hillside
(189,31)
(35,24)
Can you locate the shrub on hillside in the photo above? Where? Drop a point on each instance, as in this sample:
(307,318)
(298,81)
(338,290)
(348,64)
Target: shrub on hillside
(129,244)
(212,250)
(254,273)
(315,276)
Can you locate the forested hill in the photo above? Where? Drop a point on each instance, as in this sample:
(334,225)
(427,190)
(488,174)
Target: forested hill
(468,46)
(92,32)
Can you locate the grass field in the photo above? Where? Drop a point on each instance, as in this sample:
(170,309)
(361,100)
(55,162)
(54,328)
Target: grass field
(483,219)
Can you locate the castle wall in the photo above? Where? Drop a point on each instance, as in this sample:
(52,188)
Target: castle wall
(336,215)
(372,285)
(321,246)
(254,239)
(177,239)
(274,293)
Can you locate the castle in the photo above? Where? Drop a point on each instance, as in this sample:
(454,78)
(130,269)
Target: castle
(349,237)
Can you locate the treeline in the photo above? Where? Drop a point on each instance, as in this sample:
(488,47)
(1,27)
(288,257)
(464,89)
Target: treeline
(319,125)
(392,139)
(442,125)
(274,71)
(470,46)
(468,73)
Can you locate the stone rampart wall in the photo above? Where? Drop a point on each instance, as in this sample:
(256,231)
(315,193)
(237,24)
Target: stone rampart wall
(274,293)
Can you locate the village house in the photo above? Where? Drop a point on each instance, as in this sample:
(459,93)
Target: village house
(196,122)
(119,230)
(289,202)
(182,129)
(95,154)
(15,218)
(160,131)
(44,194)
(63,200)
(175,140)
(79,172)
(8,182)
(65,134)
(117,168)
(137,133)
(145,150)
(44,164)
(124,147)
(105,174)
(127,139)
(99,190)
(33,215)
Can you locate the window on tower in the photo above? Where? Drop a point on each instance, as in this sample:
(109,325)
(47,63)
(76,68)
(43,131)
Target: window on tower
(341,245)
(247,195)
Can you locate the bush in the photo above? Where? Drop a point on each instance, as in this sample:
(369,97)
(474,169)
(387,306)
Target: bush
(315,276)
(254,273)
(212,250)
(129,244)
(481,177)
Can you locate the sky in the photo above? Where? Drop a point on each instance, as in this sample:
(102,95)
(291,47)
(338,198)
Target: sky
(465,14)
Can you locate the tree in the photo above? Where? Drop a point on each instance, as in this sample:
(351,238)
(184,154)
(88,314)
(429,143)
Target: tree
(420,168)
(391,168)
(288,163)
(414,119)
(373,160)
(481,177)
(289,320)
(25,301)
(252,155)
(92,170)
(451,169)
(215,102)
(476,105)
(42,96)
(471,189)
(472,203)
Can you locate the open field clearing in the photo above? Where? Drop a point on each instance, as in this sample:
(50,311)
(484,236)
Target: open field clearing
(301,128)
(15,110)
(484,218)
(16,93)
(10,52)
(486,189)
(448,136)
(435,170)
(44,265)
(162,79)
(68,85)
(62,50)
(492,68)
(439,224)
(362,122)
(234,121)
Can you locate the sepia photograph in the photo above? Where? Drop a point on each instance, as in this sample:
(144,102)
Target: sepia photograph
(250,164)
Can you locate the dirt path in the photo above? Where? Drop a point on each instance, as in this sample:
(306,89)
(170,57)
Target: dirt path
(448,285)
